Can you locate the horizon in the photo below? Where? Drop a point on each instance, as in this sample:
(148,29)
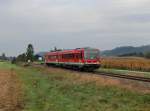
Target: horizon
(70,24)
(36,52)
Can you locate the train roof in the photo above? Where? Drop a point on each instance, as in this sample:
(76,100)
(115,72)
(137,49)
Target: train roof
(77,50)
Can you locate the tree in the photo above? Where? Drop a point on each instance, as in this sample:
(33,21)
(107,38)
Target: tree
(147,55)
(3,56)
(21,57)
(30,53)
(13,61)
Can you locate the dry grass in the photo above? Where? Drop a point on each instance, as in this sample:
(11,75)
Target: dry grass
(87,78)
(10,92)
(129,63)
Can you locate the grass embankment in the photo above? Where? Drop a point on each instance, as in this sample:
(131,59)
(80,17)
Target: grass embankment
(125,72)
(61,91)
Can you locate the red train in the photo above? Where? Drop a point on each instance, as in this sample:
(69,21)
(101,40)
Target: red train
(81,58)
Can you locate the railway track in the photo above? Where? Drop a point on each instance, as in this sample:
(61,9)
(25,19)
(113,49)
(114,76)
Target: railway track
(137,78)
(130,77)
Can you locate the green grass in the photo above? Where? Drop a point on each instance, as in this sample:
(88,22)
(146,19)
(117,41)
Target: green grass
(7,65)
(59,91)
(127,72)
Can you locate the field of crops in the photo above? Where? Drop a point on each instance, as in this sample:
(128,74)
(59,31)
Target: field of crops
(129,63)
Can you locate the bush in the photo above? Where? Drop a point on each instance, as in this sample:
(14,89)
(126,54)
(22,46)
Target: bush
(13,61)
(147,55)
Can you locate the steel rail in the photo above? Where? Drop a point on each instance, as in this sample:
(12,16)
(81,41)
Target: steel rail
(130,77)
(137,78)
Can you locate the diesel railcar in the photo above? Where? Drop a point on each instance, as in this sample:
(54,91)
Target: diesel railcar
(81,58)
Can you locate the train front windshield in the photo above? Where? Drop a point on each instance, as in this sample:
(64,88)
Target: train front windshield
(91,54)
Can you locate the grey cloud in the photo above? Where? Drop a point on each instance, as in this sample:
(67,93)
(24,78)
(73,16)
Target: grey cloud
(72,23)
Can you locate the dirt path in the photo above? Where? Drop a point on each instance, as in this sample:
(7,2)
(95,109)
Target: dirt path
(10,91)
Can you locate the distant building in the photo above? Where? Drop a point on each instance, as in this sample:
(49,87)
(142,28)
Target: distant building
(40,56)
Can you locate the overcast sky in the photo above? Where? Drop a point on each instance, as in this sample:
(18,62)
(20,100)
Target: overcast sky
(102,24)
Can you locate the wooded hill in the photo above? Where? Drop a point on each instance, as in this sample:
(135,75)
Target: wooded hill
(127,51)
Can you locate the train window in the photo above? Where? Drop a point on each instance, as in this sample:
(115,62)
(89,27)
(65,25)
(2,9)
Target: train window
(52,57)
(91,54)
(68,56)
(79,56)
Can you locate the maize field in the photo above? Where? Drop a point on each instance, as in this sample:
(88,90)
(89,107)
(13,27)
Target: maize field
(128,63)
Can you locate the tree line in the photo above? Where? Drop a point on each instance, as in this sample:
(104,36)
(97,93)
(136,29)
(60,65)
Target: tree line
(3,57)
(28,56)
(135,54)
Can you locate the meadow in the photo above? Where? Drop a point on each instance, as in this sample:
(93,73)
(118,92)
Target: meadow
(56,90)
(127,63)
